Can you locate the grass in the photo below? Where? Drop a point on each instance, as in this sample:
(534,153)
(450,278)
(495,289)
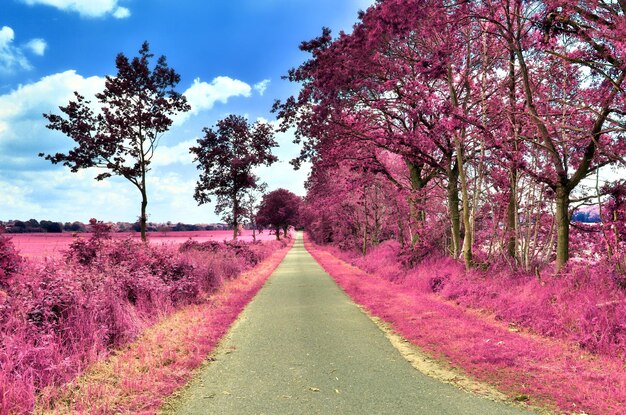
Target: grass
(554,373)
(139,377)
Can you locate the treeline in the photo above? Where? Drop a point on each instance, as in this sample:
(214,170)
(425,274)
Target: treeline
(46,226)
(474,130)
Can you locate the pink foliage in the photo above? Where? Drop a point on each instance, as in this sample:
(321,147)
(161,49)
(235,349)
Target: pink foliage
(9,259)
(491,346)
(58,316)
(45,245)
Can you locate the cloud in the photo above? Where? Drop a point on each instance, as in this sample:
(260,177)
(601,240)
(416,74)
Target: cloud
(86,8)
(23,133)
(202,96)
(261,87)
(37,46)
(11,57)
(121,13)
(177,154)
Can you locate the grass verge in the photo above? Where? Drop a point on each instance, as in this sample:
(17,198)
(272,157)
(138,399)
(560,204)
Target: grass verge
(541,372)
(137,379)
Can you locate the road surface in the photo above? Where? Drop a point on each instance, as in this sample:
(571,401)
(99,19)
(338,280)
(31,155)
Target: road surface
(303,347)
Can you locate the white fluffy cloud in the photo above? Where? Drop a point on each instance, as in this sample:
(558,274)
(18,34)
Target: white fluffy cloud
(86,8)
(28,101)
(202,96)
(121,13)
(11,57)
(37,46)
(261,87)
(178,153)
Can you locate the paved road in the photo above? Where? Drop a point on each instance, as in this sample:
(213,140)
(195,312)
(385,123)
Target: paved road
(303,347)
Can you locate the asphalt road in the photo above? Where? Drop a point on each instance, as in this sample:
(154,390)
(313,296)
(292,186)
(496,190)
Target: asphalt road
(303,347)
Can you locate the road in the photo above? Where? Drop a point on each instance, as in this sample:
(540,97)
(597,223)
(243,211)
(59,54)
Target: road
(303,347)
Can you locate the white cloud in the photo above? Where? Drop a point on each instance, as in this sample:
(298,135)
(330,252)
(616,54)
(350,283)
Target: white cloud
(11,57)
(177,154)
(86,8)
(121,13)
(31,100)
(261,87)
(202,96)
(37,46)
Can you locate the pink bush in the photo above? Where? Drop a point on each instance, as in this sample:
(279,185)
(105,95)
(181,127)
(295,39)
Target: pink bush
(9,259)
(58,316)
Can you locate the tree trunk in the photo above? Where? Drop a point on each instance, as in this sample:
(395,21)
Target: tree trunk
(467,225)
(511,225)
(511,216)
(416,198)
(143,219)
(278,234)
(235,217)
(562,227)
(453,207)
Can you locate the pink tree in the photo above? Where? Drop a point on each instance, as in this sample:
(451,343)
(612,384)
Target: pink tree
(278,210)
(137,106)
(226,156)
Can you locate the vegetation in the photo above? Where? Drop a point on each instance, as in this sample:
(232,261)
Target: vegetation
(278,211)
(59,316)
(136,107)
(226,156)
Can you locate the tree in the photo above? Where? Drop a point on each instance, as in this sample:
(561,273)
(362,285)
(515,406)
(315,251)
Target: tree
(278,210)
(251,206)
(136,107)
(226,156)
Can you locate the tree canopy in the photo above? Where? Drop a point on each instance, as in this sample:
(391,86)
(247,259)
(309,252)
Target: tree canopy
(135,108)
(491,114)
(278,210)
(226,157)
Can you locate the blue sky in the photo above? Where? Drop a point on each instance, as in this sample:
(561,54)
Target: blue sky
(230,54)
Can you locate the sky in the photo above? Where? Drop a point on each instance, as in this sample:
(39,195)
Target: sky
(230,54)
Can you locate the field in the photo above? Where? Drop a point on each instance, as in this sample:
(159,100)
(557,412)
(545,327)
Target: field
(46,245)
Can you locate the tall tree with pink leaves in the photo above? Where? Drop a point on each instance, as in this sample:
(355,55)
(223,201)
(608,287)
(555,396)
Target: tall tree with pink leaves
(226,157)
(136,108)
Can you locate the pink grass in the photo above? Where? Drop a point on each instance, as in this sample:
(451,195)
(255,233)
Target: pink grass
(137,379)
(551,372)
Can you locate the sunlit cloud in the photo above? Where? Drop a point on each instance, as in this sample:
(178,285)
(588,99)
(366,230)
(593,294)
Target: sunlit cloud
(261,87)
(11,57)
(86,8)
(37,46)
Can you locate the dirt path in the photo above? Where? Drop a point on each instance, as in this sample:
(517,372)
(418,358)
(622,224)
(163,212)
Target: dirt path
(303,347)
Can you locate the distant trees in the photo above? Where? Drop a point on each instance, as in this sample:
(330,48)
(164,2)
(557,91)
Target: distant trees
(278,210)
(136,107)
(226,157)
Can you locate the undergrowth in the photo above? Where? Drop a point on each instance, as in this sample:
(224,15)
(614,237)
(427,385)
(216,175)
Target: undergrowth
(584,304)
(59,316)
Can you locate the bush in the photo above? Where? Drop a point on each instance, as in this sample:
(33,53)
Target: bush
(10,261)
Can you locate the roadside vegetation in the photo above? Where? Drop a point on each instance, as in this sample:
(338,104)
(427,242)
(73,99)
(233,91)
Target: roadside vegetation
(59,316)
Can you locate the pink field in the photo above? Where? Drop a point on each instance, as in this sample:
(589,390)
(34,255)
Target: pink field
(42,245)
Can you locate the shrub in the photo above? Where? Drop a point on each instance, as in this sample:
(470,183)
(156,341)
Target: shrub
(10,260)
